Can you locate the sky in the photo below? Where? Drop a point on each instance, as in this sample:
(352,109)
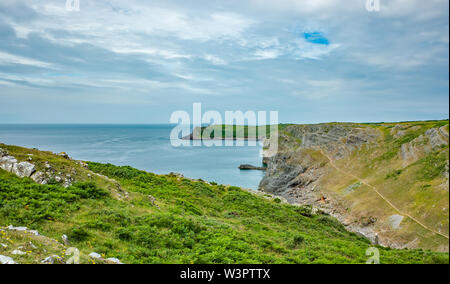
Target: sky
(129,61)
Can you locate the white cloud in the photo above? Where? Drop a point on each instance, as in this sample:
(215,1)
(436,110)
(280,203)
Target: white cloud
(11,59)
(267,54)
(215,59)
(168,54)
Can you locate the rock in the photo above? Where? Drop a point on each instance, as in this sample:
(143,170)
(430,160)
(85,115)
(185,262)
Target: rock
(95,255)
(23,169)
(65,239)
(10,164)
(32,245)
(40,177)
(18,252)
(7,163)
(113,261)
(398,131)
(83,164)
(64,155)
(251,167)
(21,229)
(436,140)
(3,153)
(48,260)
(395,221)
(153,200)
(53,259)
(6,260)
(3,246)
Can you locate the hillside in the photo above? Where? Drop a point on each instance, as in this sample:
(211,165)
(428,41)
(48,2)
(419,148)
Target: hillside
(387,181)
(133,216)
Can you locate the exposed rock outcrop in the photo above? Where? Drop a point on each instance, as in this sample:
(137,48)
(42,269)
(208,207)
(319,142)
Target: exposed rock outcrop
(304,160)
(26,169)
(291,172)
(251,168)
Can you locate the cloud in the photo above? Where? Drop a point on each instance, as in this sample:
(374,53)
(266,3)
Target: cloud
(245,51)
(11,59)
(215,59)
(267,54)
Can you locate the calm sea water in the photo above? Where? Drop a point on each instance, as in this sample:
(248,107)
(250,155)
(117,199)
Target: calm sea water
(146,147)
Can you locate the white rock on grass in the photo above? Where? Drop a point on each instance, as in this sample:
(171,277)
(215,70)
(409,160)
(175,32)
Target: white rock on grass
(23,169)
(65,239)
(113,260)
(6,260)
(95,255)
(48,260)
(18,252)
(21,229)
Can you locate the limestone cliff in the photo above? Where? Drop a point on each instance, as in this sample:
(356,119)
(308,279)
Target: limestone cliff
(388,182)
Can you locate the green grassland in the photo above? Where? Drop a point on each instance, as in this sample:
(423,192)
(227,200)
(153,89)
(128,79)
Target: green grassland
(191,221)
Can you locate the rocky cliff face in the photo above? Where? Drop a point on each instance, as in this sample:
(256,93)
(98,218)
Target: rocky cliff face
(367,176)
(298,164)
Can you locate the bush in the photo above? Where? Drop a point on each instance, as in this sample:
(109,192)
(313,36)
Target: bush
(78,234)
(88,190)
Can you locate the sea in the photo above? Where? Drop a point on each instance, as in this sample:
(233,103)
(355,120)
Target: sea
(145,147)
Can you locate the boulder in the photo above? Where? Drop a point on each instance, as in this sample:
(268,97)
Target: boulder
(6,260)
(40,177)
(95,255)
(18,252)
(7,163)
(23,169)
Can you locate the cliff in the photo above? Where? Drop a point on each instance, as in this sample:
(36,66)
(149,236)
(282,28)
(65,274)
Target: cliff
(386,181)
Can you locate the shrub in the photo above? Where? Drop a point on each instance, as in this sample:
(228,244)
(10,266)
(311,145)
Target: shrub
(78,234)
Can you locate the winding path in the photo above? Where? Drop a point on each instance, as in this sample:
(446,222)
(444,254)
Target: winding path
(380,195)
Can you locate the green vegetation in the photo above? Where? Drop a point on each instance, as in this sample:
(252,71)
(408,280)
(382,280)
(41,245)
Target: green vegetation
(235,131)
(433,165)
(190,222)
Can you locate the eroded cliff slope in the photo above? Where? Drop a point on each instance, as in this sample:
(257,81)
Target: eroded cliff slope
(387,181)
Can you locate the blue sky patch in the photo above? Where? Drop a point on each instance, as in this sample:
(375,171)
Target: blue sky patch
(317,38)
